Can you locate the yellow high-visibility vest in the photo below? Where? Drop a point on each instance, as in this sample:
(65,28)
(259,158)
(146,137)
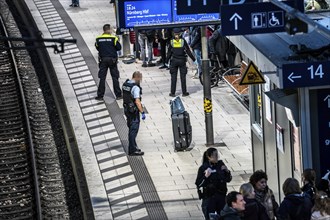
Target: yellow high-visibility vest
(177,44)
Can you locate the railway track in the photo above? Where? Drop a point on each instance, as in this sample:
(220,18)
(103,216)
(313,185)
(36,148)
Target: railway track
(19,199)
(31,185)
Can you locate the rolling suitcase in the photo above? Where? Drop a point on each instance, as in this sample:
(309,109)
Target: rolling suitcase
(182,131)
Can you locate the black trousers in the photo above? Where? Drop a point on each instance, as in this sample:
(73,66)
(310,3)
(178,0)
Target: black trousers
(213,204)
(178,64)
(133,123)
(163,44)
(105,64)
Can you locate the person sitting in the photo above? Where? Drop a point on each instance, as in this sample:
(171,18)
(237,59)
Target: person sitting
(295,205)
(235,204)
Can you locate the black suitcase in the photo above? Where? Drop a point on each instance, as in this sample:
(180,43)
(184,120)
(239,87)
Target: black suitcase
(182,131)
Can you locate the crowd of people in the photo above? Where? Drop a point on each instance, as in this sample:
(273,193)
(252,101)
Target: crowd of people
(219,47)
(255,200)
(177,44)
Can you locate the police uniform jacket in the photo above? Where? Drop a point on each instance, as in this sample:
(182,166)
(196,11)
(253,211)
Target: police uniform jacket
(107,45)
(128,97)
(179,49)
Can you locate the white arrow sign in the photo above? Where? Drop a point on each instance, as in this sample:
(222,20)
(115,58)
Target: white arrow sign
(235,17)
(291,77)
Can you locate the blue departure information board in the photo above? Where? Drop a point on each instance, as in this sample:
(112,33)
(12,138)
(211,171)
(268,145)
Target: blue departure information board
(192,17)
(147,12)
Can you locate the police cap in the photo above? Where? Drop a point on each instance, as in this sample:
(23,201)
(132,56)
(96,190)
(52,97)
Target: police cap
(176,30)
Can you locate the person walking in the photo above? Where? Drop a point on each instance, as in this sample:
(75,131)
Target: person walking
(321,209)
(264,195)
(107,46)
(253,209)
(211,181)
(177,55)
(296,205)
(235,205)
(132,92)
(74,3)
(309,178)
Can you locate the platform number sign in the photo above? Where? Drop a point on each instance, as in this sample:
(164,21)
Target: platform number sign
(306,74)
(316,72)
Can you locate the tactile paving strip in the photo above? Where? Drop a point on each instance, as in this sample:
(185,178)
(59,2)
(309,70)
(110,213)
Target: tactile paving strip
(130,189)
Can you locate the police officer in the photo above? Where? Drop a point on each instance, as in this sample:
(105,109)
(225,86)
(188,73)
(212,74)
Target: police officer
(177,52)
(108,45)
(133,108)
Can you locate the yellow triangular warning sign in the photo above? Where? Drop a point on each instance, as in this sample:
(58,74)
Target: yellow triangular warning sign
(252,75)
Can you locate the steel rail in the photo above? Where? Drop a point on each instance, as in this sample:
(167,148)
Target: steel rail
(28,126)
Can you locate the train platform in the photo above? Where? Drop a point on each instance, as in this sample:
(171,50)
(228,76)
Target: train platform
(160,184)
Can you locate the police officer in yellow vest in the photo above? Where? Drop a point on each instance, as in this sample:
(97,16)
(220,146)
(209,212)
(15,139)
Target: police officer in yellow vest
(107,46)
(177,55)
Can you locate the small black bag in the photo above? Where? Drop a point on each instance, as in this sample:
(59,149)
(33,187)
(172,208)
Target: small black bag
(200,193)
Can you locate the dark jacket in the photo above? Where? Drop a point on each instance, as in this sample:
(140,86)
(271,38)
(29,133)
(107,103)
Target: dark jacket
(295,207)
(310,191)
(129,105)
(267,199)
(324,186)
(196,39)
(229,213)
(107,45)
(149,34)
(219,44)
(164,34)
(180,52)
(216,182)
(254,210)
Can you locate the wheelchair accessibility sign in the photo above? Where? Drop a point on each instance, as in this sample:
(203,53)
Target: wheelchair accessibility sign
(254,18)
(271,19)
(275,19)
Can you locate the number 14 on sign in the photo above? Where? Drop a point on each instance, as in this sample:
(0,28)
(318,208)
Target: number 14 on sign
(297,75)
(317,72)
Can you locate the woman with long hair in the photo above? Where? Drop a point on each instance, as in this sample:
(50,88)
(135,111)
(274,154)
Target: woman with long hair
(309,188)
(211,182)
